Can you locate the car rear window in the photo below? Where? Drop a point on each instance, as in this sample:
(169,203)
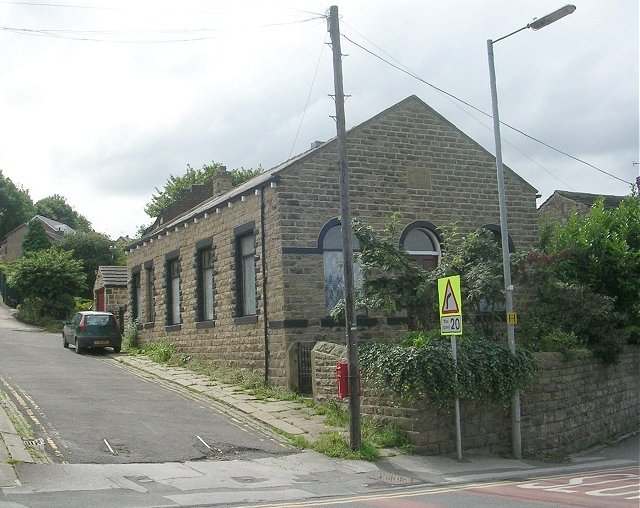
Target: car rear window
(99,320)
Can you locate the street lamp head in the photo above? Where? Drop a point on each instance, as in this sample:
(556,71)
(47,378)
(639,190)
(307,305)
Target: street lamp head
(550,18)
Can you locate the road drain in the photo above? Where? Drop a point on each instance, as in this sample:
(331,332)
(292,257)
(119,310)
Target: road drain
(248,479)
(34,443)
(395,479)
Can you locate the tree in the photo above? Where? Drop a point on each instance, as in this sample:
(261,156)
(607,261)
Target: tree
(584,279)
(36,238)
(394,283)
(175,186)
(48,280)
(56,207)
(16,206)
(94,250)
(391,281)
(601,250)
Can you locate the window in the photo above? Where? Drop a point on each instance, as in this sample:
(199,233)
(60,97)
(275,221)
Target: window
(173,292)
(149,294)
(334,267)
(421,244)
(246,274)
(136,296)
(205,284)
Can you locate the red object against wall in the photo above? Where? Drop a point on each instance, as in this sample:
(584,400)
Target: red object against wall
(100,299)
(342,376)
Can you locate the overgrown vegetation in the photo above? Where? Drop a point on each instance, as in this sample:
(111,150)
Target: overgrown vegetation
(584,281)
(48,281)
(176,186)
(94,250)
(130,336)
(578,289)
(422,368)
(395,284)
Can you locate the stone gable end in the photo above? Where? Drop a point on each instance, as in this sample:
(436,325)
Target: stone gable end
(407,159)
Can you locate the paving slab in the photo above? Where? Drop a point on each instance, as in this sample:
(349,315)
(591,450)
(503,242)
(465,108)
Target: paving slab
(16,448)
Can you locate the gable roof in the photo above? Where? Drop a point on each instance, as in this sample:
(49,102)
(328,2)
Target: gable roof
(55,225)
(113,275)
(586,199)
(272,174)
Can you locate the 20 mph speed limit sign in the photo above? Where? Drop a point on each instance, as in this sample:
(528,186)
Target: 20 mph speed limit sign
(451,325)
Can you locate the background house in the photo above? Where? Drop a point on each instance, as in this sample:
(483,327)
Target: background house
(11,244)
(247,278)
(11,249)
(563,204)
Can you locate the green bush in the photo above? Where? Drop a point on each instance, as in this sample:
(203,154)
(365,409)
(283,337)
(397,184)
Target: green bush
(130,335)
(82,304)
(486,371)
(160,352)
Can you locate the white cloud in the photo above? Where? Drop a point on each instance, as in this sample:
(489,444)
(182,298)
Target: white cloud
(104,123)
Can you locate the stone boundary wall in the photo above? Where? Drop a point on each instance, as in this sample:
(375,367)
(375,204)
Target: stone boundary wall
(569,407)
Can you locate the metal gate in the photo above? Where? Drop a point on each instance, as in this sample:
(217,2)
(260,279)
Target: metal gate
(304,367)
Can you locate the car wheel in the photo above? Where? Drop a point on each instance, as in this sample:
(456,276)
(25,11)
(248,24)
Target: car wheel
(117,349)
(78,348)
(65,344)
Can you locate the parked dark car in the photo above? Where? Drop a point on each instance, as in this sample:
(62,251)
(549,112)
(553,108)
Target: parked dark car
(92,329)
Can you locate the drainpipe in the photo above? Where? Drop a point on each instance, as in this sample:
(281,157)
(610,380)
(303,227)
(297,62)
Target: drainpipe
(263,257)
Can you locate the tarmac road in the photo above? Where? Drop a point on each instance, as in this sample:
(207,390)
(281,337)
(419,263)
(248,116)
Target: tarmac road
(90,409)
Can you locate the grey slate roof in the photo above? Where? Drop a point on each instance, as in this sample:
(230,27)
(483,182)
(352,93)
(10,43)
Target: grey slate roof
(113,275)
(63,229)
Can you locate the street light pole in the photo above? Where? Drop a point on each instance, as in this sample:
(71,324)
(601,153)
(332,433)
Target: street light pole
(516,436)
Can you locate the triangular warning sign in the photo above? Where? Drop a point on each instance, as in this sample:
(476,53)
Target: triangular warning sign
(449,303)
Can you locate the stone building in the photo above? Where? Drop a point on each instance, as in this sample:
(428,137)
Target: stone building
(563,204)
(110,291)
(247,278)
(11,249)
(11,244)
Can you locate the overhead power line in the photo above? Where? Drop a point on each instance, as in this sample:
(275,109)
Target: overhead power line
(94,35)
(448,94)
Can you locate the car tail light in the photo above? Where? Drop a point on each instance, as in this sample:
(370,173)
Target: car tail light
(83,323)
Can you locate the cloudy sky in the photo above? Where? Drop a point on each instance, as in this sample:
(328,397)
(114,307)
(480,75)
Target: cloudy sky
(101,100)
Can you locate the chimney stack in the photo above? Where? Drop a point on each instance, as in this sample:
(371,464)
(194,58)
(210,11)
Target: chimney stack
(221,181)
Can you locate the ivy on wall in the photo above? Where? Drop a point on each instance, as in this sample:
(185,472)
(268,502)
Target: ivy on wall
(422,368)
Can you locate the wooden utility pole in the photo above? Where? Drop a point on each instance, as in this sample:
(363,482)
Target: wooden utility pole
(347,248)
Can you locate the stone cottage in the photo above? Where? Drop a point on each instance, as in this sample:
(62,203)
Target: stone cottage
(563,204)
(11,249)
(247,277)
(11,244)
(110,291)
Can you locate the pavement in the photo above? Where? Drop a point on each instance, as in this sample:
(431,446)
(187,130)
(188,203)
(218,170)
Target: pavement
(279,478)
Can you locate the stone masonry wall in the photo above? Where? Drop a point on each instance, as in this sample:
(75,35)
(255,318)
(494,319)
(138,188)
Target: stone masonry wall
(224,340)
(114,298)
(407,159)
(569,407)
(559,208)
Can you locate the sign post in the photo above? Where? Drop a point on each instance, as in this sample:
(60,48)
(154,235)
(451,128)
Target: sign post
(450,306)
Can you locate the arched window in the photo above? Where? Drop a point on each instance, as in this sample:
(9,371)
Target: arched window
(422,244)
(331,243)
(497,233)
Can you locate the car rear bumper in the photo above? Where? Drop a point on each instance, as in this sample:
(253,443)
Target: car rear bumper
(98,341)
